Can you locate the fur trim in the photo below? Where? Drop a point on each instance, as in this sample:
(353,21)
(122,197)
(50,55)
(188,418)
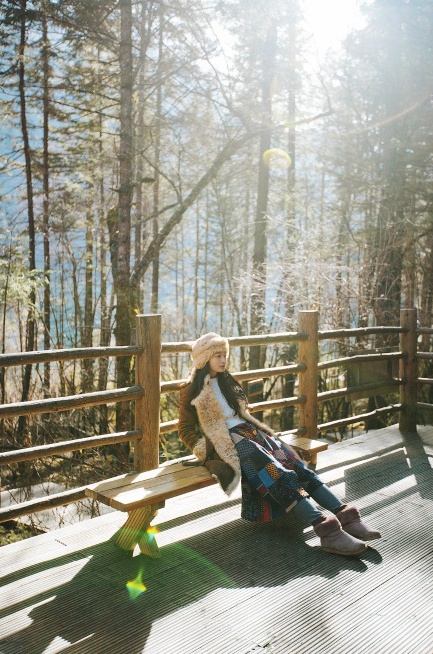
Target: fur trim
(327,527)
(214,426)
(348,515)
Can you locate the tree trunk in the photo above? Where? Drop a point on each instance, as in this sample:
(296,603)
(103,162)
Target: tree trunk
(104,336)
(288,413)
(46,194)
(3,346)
(157,153)
(61,324)
(196,266)
(87,333)
(31,323)
(122,278)
(205,262)
(388,250)
(258,291)
(141,204)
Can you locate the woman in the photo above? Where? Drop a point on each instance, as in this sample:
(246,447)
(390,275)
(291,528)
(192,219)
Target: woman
(215,424)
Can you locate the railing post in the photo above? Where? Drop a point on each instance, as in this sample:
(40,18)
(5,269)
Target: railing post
(408,371)
(309,355)
(148,376)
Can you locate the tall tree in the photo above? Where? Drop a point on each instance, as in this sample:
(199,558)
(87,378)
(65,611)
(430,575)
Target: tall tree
(157,155)
(31,319)
(122,281)
(46,191)
(258,291)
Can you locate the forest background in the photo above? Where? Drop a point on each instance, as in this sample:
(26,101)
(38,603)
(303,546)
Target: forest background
(195,159)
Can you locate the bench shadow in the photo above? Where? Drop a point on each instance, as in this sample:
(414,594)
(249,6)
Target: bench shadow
(113,598)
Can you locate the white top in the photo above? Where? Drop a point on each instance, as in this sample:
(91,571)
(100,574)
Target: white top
(232,419)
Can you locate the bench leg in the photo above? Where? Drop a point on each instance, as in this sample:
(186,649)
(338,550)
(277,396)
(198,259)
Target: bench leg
(137,530)
(313,461)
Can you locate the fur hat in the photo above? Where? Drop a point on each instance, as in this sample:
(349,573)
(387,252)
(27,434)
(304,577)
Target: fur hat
(206,346)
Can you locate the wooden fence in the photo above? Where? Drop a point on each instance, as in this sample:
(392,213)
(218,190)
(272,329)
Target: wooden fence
(147,390)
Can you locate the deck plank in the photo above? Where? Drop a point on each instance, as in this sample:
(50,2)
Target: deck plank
(224,586)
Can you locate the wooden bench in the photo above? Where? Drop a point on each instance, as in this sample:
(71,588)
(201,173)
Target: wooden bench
(141,494)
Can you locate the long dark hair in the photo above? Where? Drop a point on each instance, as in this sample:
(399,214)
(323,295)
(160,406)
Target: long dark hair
(230,388)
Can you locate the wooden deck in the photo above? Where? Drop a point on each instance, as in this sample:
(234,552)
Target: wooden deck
(224,586)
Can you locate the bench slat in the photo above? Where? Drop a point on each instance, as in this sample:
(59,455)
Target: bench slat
(131,478)
(154,482)
(154,489)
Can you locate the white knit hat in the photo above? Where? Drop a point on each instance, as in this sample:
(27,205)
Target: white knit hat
(206,346)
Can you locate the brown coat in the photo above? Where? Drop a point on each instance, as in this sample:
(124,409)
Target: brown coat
(203,428)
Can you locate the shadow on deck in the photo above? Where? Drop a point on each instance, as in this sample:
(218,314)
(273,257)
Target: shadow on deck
(224,586)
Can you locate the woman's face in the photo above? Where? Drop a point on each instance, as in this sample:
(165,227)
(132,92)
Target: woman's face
(217,363)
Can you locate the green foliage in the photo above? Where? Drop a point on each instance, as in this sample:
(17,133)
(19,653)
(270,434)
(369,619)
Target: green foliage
(17,282)
(13,532)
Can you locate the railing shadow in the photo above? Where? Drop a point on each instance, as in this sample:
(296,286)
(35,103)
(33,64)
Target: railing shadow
(419,463)
(389,468)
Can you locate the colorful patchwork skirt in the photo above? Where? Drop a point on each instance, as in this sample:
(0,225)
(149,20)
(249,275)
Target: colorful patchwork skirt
(273,479)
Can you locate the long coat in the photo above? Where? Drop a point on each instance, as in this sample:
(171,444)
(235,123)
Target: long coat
(203,428)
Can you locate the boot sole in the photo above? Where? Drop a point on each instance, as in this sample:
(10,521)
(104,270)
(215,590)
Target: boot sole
(352,553)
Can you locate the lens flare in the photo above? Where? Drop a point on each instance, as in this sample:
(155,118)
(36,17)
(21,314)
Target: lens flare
(135,586)
(277,155)
(152,531)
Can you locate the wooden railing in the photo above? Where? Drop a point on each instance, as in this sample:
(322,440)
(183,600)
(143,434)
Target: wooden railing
(148,388)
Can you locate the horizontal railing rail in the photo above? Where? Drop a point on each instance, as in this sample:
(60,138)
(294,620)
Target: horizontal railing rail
(428,356)
(62,447)
(361,417)
(425,380)
(361,388)
(360,358)
(424,405)
(53,405)
(46,356)
(53,501)
(360,331)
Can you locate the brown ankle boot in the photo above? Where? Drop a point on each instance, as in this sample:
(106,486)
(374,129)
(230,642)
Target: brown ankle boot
(352,524)
(336,541)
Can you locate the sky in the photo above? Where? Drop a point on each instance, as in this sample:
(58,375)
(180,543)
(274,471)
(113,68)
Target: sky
(329,21)
(326,24)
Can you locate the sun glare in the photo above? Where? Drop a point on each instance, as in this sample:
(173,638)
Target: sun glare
(330,21)
(326,24)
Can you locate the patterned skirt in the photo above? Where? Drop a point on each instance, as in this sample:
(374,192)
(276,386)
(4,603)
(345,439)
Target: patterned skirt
(273,480)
